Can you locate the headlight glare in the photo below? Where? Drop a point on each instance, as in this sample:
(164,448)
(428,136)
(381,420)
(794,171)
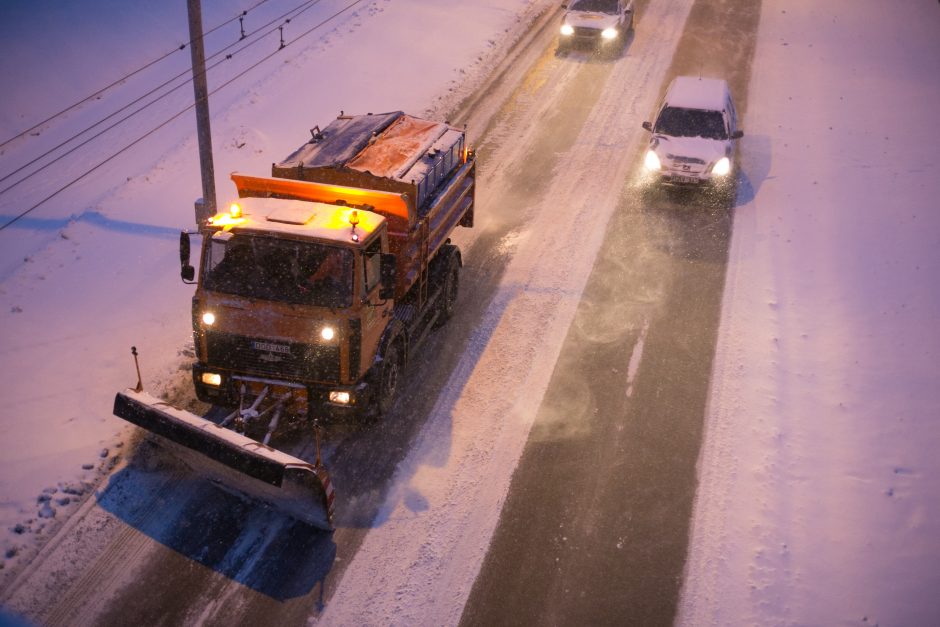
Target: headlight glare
(339,396)
(722,167)
(208,318)
(567,30)
(327,333)
(609,33)
(652,161)
(212,378)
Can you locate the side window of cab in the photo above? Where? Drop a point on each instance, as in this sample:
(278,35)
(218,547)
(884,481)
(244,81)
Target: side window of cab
(372,263)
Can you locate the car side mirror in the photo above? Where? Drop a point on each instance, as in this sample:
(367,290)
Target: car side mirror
(387,276)
(737,135)
(187,272)
(648,126)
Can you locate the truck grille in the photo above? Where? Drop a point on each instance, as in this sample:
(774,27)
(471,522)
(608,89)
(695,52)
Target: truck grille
(305,362)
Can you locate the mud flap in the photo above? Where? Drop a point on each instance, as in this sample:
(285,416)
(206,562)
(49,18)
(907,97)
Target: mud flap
(293,486)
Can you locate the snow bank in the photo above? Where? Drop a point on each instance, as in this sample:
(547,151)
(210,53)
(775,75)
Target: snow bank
(818,502)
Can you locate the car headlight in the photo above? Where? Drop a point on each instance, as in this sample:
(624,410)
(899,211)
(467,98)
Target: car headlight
(722,167)
(208,318)
(340,397)
(212,378)
(609,33)
(652,161)
(567,30)
(327,333)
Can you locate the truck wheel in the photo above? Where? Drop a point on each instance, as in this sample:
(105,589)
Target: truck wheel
(392,366)
(448,304)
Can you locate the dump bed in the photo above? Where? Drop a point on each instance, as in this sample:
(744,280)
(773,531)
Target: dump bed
(357,159)
(387,151)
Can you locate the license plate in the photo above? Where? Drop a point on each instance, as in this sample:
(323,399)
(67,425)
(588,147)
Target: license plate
(270,347)
(685,179)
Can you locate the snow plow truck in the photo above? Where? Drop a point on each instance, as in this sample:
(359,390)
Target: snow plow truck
(313,290)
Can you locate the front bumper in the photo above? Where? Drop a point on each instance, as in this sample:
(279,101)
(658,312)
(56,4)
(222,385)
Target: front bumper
(316,396)
(680,179)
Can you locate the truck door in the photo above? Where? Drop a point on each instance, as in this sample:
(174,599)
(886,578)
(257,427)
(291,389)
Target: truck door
(375,311)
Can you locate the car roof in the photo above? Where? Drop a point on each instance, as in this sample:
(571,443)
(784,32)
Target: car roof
(695,92)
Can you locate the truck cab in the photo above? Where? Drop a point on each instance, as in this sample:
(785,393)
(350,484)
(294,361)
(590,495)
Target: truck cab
(290,293)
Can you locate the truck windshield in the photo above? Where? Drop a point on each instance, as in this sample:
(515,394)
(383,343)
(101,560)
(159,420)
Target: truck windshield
(305,273)
(680,122)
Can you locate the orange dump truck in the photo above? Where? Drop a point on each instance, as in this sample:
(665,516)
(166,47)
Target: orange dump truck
(314,289)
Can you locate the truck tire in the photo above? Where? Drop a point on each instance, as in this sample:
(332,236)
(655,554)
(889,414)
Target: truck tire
(390,376)
(448,303)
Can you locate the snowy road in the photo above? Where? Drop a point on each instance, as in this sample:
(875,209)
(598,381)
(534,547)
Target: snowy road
(595,526)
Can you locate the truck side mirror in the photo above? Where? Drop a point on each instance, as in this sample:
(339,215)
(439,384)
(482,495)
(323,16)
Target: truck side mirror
(187,272)
(737,135)
(387,273)
(648,126)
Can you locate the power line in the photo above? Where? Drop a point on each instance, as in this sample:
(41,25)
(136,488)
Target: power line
(175,116)
(129,75)
(296,11)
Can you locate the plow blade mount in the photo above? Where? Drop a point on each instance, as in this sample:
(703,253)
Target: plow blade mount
(293,486)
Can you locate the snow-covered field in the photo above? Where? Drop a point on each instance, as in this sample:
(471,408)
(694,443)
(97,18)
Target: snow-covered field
(817,502)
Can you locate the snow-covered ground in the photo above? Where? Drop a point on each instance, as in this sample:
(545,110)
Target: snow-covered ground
(819,502)
(91,272)
(816,505)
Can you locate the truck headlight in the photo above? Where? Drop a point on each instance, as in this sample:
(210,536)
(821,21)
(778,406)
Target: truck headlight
(567,30)
(340,397)
(652,161)
(212,378)
(208,318)
(722,167)
(327,333)
(609,33)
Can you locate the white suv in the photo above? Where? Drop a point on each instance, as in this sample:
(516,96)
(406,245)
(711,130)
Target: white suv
(693,141)
(596,22)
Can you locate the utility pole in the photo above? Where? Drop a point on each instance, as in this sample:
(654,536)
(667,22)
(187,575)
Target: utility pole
(207,206)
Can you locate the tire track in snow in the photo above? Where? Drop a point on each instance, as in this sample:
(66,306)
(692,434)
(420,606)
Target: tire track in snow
(418,563)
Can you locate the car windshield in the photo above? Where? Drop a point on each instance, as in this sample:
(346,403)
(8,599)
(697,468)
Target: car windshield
(679,122)
(304,273)
(595,6)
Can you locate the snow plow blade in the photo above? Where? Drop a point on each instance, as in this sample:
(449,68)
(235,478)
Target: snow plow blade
(299,489)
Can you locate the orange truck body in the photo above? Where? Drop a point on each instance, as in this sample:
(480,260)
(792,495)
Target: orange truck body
(388,185)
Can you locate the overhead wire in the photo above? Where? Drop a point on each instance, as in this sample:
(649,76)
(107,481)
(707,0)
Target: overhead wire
(127,76)
(176,115)
(293,13)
